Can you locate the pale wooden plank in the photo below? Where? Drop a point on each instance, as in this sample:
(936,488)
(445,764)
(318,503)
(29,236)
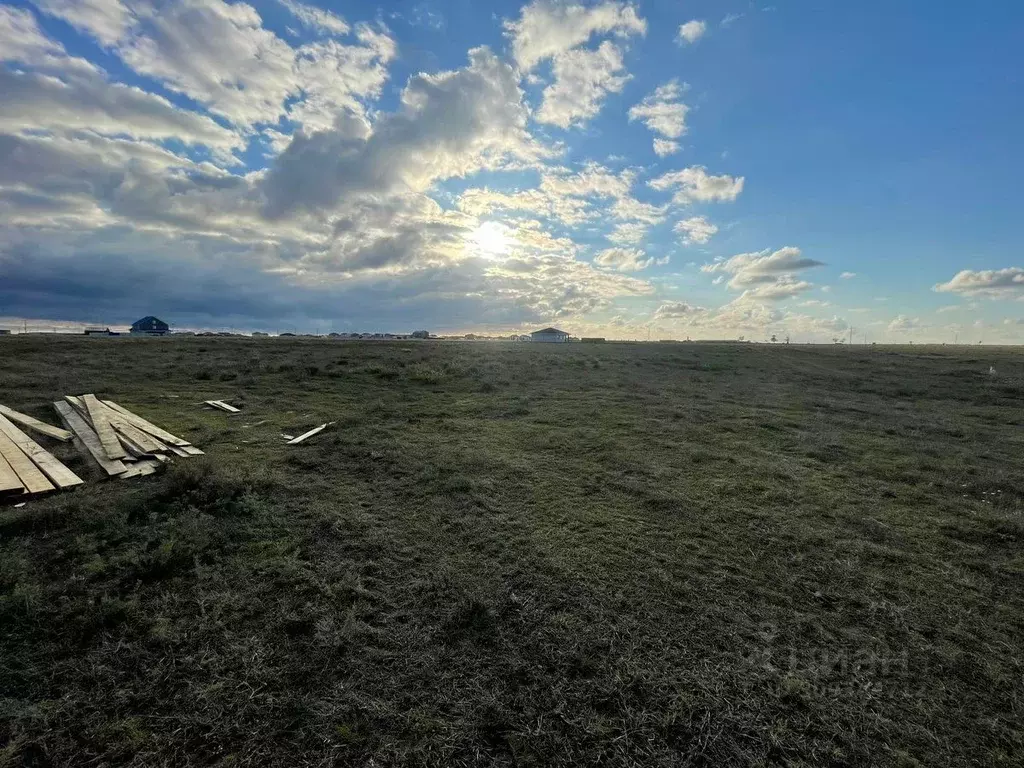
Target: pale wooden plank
(10,483)
(222,406)
(104,429)
(147,426)
(306,435)
(191,450)
(74,421)
(146,442)
(35,425)
(51,466)
(147,466)
(33,480)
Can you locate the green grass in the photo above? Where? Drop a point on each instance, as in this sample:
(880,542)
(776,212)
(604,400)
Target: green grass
(524,555)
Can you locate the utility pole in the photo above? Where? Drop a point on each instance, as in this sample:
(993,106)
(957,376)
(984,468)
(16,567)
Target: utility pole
(851,335)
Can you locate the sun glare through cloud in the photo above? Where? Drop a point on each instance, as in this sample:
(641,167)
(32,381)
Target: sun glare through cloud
(489,240)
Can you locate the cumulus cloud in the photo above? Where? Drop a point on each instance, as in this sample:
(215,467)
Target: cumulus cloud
(694,184)
(765,275)
(904,324)
(317,18)
(664,147)
(847,275)
(664,114)
(106,20)
(547,28)
(696,229)
(626,259)
(449,124)
(674,309)
(691,31)
(562,194)
(988,283)
(582,80)
(629,233)
(221,56)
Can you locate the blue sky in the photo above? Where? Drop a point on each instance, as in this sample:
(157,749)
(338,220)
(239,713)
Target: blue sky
(702,169)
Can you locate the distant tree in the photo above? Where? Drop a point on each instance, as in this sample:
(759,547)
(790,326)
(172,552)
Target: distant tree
(773,339)
(787,338)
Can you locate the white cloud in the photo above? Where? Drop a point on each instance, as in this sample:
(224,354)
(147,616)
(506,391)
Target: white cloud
(450,124)
(847,275)
(766,275)
(629,233)
(626,259)
(904,324)
(664,147)
(664,114)
(547,28)
(693,184)
(316,18)
(221,56)
(989,283)
(696,229)
(582,80)
(562,194)
(60,93)
(948,308)
(691,31)
(106,20)
(674,309)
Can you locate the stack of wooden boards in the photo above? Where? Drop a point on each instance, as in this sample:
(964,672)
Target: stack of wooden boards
(122,443)
(25,466)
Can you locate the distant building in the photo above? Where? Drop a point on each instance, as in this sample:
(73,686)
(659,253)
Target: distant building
(421,334)
(97,331)
(150,326)
(549,335)
(5,332)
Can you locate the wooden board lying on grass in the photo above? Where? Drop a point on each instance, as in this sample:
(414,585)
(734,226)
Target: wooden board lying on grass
(10,483)
(104,429)
(74,421)
(47,462)
(32,479)
(222,406)
(314,431)
(146,426)
(143,441)
(35,425)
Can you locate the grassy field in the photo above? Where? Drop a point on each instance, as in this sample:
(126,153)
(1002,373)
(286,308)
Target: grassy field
(656,555)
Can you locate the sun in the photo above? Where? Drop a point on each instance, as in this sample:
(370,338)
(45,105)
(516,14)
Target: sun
(491,239)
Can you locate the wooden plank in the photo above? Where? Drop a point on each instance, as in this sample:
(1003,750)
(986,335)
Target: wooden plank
(314,431)
(146,426)
(46,461)
(10,483)
(104,429)
(191,450)
(146,442)
(35,425)
(74,421)
(32,479)
(222,406)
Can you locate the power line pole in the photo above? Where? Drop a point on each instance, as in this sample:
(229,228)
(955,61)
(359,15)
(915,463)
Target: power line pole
(851,335)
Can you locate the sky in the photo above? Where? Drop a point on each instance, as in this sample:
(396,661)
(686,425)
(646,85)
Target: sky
(658,169)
